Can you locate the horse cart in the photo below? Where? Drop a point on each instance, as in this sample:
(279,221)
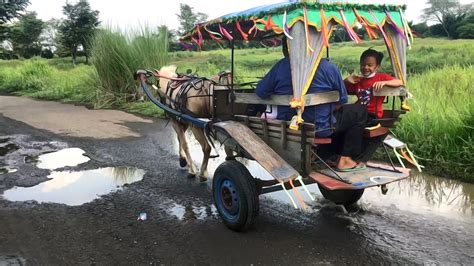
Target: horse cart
(287,151)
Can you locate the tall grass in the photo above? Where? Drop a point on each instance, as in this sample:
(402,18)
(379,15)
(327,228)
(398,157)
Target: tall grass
(440,127)
(117,55)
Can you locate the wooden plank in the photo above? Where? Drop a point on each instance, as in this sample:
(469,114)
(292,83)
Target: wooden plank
(375,175)
(259,150)
(277,135)
(321,98)
(391,91)
(274,124)
(284,139)
(309,99)
(265,129)
(279,129)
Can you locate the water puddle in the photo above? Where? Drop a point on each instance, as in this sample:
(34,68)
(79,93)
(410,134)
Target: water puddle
(12,260)
(190,212)
(426,194)
(6,170)
(6,149)
(62,158)
(31,159)
(76,188)
(419,193)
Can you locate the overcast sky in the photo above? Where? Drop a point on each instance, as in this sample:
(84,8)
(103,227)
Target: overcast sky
(158,12)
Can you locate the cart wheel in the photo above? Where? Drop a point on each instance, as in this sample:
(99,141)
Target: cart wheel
(235,195)
(344,197)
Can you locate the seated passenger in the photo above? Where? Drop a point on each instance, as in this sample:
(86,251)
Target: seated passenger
(363,85)
(370,80)
(345,125)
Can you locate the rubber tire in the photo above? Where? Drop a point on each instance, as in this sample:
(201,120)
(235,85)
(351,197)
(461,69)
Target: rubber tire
(246,197)
(344,197)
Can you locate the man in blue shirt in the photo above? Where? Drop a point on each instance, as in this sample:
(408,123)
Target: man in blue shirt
(345,126)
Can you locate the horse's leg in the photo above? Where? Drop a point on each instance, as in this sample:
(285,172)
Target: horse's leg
(182,155)
(181,130)
(206,150)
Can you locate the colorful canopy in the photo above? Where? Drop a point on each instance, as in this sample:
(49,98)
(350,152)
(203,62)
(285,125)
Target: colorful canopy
(260,22)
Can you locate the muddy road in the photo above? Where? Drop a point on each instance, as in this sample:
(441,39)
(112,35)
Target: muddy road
(82,208)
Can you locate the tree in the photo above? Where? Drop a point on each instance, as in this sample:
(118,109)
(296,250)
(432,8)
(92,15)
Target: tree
(24,35)
(466,29)
(448,13)
(187,18)
(420,29)
(12,9)
(78,27)
(8,11)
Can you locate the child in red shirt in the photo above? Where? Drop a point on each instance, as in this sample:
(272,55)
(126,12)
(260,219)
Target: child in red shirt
(363,85)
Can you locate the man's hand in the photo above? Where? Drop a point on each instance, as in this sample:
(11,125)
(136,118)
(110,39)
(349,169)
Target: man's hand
(353,79)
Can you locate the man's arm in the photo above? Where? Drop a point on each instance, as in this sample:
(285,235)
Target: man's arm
(266,86)
(338,83)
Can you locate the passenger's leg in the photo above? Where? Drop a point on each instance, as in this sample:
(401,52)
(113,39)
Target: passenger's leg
(370,146)
(350,123)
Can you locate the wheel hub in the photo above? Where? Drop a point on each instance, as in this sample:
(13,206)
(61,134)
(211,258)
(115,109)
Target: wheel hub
(229,197)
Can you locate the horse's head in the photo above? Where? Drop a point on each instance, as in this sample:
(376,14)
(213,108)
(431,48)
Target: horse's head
(223,78)
(165,74)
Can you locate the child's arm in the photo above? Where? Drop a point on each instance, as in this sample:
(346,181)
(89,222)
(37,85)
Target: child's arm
(351,82)
(391,83)
(352,79)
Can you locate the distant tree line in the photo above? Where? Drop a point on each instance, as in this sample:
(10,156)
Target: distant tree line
(23,35)
(451,19)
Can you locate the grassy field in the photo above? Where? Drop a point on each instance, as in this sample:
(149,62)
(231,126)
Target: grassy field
(439,129)
(426,54)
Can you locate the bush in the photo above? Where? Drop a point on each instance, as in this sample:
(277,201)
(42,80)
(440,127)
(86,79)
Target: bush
(46,53)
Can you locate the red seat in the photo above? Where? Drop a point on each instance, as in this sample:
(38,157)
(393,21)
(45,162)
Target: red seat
(319,141)
(376,132)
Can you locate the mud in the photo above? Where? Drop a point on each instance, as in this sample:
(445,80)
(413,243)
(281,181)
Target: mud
(182,226)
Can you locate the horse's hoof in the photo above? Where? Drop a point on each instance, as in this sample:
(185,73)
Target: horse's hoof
(191,175)
(229,158)
(182,162)
(202,179)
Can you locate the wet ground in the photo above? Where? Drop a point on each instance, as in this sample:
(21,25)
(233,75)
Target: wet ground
(68,197)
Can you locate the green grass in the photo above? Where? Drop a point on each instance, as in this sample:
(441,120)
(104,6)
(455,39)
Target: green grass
(439,129)
(425,55)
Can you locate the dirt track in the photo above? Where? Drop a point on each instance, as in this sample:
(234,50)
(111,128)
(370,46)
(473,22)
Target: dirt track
(106,230)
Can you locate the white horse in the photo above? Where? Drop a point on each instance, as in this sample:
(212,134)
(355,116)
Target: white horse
(189,95)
